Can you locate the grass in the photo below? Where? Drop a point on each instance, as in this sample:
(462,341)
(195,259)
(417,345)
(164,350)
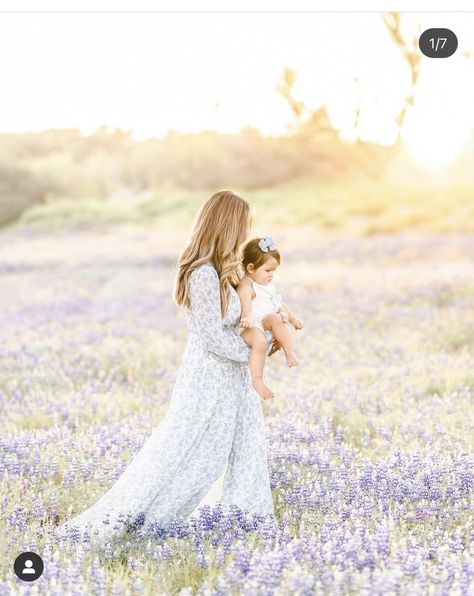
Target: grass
(387,358)
(361,207)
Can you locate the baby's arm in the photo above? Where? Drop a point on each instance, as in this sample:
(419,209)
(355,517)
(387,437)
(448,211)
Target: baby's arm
(244,290)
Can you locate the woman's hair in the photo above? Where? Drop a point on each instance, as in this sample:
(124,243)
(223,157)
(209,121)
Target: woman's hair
(252,254)
(220,228)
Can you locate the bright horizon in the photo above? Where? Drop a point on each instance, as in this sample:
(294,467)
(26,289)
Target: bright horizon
(190,72)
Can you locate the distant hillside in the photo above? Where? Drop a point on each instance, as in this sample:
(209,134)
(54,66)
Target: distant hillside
(37,167)
(65,165)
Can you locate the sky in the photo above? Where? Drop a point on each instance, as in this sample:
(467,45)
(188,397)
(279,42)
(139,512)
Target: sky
(151,72)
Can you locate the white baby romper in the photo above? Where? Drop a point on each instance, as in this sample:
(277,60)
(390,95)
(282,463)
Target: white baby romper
(266,301)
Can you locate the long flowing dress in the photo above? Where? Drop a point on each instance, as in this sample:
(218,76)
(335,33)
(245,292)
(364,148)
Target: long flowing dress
(214,421)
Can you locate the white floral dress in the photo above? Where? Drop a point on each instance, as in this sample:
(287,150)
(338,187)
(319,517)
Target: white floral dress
(214,419)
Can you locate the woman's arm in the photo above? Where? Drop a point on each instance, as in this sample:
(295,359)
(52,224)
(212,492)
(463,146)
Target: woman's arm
(291,316)
(205,305)
(297,323)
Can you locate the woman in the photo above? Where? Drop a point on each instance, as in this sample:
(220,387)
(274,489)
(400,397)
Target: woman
(215,417)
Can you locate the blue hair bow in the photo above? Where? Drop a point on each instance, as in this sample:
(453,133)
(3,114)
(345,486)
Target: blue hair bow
(266,244)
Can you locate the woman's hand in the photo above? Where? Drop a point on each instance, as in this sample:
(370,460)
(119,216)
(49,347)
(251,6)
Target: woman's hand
(275,347)
(297,323)
(246,322)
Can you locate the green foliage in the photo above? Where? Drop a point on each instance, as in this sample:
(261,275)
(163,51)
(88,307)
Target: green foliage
(361,208)
(19,190)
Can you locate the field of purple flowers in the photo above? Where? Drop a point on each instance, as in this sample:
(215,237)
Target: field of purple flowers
(370,439)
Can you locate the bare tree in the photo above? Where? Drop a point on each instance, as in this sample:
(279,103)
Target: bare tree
(411,54)
(286,90)
(358,107)
(317,125)
(319,139)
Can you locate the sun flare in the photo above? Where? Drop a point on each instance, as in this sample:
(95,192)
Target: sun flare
(434,147)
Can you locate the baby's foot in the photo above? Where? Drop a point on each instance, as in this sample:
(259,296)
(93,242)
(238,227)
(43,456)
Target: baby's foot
(291,359)
(264,391)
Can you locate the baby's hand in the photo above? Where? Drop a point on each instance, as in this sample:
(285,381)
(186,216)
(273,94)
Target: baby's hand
(284,316)
(246,322)
(297,323)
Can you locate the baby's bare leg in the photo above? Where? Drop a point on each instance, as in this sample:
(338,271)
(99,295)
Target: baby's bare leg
(257,341)
(280,332)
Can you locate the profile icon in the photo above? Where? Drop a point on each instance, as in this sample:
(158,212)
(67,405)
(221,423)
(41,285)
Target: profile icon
(28,566)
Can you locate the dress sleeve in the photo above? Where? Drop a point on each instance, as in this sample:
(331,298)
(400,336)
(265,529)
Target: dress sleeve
(205,306)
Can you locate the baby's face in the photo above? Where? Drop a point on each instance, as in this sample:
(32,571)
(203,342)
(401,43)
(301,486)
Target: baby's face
(264,274)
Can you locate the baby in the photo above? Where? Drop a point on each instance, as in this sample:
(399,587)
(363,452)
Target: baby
(262,309)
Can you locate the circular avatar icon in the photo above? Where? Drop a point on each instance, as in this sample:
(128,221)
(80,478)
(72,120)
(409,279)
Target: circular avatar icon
(28,566)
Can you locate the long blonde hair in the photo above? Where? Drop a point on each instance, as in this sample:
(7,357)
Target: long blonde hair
(219,230)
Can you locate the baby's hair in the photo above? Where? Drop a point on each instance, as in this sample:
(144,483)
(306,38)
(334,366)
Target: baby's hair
(253,254)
